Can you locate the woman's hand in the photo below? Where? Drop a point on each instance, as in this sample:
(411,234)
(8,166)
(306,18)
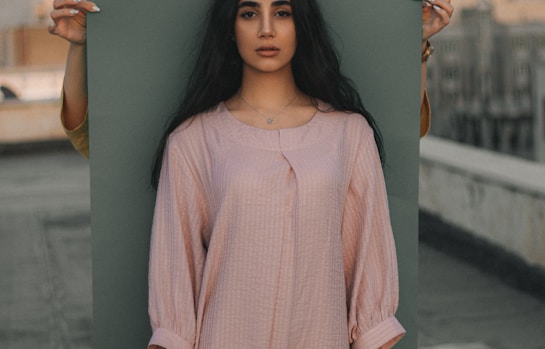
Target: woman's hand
(70,19)
(435,16)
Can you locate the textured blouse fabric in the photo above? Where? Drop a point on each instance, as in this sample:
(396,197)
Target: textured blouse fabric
(273,238)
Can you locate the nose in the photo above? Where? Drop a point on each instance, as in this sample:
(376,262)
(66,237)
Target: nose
(266,29)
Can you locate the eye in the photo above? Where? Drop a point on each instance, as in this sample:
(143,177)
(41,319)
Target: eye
(248,14)
(283,13)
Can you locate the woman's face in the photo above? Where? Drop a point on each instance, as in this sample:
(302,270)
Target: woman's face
(265,34)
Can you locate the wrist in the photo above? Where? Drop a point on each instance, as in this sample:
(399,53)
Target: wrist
(77,46)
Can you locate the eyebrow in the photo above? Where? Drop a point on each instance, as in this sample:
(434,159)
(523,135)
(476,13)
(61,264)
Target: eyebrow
(256,4)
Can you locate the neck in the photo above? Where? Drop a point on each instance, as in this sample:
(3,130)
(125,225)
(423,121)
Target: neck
(268,90)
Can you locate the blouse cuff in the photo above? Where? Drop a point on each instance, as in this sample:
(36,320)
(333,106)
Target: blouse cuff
(383,336)
(79,136)
(169,340)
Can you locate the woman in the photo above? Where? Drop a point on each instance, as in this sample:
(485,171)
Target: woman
(271,225)
(69,22)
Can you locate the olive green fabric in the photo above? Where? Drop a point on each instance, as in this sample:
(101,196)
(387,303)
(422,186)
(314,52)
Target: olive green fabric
(136,56)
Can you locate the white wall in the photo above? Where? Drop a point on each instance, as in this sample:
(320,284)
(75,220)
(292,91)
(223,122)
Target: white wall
(30,122)
(496,197)
(539,109)
(31,84)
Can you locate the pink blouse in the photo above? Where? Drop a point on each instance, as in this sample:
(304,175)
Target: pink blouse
(273,238)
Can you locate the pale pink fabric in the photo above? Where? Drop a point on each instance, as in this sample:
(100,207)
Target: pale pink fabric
(273,239)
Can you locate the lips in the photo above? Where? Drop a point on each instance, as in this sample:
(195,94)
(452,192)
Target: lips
(268,51)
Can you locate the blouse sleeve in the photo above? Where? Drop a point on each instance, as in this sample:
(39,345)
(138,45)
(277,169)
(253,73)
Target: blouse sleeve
(370,256)
(79,137)
(177,253)
(425,115)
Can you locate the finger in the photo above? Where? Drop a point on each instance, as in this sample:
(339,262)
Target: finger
(445,5)
(439,2)
(52,28)
(88,6)
(58,4)
(445,17)
(427,10)
(63,13)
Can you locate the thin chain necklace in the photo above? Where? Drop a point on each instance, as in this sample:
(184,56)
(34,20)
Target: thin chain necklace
(268,118)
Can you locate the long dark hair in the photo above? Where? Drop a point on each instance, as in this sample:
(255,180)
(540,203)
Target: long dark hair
(217,71)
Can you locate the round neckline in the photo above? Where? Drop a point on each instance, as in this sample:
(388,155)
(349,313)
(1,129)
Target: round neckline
(307,124)
(314,131)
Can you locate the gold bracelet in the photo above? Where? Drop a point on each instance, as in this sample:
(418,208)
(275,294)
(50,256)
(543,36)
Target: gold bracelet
(427,51)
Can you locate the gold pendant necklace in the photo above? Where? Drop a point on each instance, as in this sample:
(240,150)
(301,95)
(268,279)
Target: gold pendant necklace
(269,119)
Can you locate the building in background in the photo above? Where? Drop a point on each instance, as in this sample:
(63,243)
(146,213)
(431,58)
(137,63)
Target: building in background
(16,13)
(31,72)
(24,39)
(31,46)
(31,60)
(481,79)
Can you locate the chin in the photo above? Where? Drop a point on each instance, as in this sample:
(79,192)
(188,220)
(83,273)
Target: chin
(270,68)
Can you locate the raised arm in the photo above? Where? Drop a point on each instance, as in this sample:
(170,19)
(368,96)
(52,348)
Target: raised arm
(435,16)
(69,20)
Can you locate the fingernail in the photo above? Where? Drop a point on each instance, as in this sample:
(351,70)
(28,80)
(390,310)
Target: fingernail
(73,11)
(437,8)
(76,1)
(96,8)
